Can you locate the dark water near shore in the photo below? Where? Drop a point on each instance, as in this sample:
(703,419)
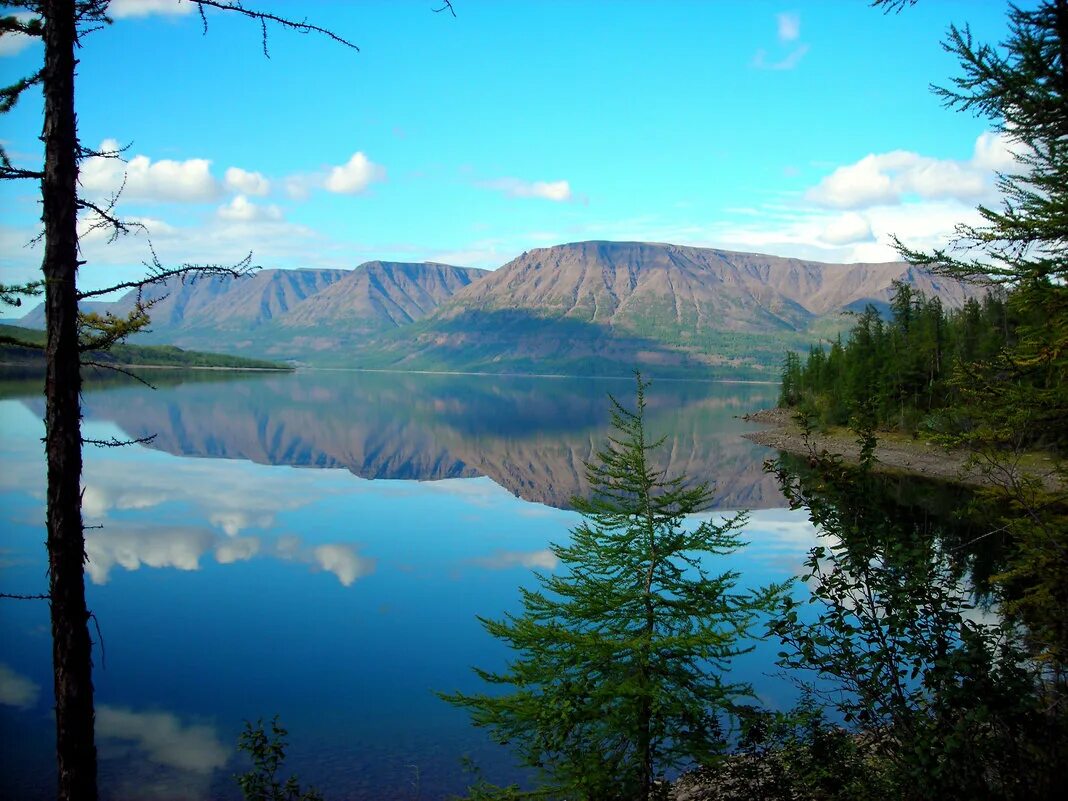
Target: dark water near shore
(317,545)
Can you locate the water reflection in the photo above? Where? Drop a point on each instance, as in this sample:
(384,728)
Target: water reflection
(531,436)
(17,690)
(234,585)
(154,755)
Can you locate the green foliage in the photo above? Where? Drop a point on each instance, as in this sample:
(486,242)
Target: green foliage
(13,295)
(26,344)
(618,673)
(948,706)
(267,750)
(908,372)
(798,754)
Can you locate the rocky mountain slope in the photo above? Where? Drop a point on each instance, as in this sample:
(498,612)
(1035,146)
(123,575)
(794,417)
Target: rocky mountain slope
(580,308)
(605,304)
(381,295)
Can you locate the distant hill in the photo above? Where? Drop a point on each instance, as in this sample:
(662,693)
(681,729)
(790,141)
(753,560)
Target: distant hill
(219,302)
(31,354)
(290,314)
(581,308)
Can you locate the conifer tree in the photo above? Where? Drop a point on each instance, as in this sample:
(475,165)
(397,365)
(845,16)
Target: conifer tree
(620,658)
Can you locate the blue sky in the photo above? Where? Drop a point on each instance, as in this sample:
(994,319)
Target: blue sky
(801,129)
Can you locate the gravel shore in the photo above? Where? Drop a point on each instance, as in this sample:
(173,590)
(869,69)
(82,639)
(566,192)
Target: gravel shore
(893,453)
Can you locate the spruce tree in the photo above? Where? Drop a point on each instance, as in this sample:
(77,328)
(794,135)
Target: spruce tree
(619,673)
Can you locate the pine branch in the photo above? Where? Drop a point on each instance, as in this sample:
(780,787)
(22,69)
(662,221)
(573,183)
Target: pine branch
(9,294)
(114,442)
(264,17)
(118,369)
(159,275)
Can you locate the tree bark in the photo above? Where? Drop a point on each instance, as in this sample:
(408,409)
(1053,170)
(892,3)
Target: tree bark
(71,646)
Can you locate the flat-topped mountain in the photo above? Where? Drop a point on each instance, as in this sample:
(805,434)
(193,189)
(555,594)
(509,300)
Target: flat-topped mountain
(627,283)
(606,304)
(581,308)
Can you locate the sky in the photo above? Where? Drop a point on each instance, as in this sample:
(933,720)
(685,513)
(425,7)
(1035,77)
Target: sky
(803,128)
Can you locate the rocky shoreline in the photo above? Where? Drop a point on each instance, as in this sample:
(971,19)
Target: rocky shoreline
(893,453)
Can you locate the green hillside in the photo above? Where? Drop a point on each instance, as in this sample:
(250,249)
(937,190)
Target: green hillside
(22,346)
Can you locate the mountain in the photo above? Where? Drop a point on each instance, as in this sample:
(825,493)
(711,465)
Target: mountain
(583,308)
(289,313)
(605,305)
(381,295)
(219,302)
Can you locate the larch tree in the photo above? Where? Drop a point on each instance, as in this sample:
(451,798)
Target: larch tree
(619,673)
(1018,399)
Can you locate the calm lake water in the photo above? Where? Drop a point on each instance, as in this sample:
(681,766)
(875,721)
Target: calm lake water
(317,546)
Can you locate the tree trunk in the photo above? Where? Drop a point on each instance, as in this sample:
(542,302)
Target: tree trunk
(71,646)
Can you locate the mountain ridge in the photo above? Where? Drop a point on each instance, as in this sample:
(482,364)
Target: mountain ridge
(583,307)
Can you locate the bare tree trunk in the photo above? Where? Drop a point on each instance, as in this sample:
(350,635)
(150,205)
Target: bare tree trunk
(71,646)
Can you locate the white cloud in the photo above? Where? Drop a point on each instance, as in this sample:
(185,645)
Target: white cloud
(343,562)
(354,176)
(11,44)
(130,547)
(237,550)
(241,209)
(556,191)
(888,178)
(124,9)
(544,559)
(161,738)
(186,181)
(847,229)
(16,690)
(995,152)
(789,26)
(245,182)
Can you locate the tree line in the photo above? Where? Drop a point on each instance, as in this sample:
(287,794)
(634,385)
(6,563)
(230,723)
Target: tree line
(910,369)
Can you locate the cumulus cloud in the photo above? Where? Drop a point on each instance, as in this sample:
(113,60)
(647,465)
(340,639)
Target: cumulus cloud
(130,547)
(847,229)
(237,550)
(556,191)
(544,559)
(789,26)
(245,182)
(187,181)
(16,690)
(11,44)
(888,178)
(161,738)
(995,152)
(241,209)
(123,9)
(354,176)
(343,562)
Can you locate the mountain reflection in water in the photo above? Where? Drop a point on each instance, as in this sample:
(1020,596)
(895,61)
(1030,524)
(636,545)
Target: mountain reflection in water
(231,585)
(531,436)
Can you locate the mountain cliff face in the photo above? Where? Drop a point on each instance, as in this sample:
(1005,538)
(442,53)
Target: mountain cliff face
(381,294)
(581,308)
(605,305)
(635,284)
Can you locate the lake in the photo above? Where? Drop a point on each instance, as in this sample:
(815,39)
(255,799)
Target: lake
(317,545)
